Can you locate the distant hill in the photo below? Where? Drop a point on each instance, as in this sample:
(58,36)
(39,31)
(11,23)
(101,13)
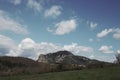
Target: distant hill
(65,57)
(17,61)
(21,65)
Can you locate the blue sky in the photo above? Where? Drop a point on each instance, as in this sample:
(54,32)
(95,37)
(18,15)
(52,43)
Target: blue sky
(89,28)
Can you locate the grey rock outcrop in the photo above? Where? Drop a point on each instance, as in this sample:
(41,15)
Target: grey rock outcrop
(42,58)
(64,57)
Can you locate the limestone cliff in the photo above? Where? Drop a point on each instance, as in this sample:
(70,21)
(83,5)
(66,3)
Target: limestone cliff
(42,58)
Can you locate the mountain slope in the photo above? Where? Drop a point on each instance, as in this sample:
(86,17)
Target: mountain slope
(64,57)
(58,61)
(21,65)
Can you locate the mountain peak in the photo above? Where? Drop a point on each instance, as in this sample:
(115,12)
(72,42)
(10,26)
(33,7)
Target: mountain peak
(61,53)
(64,57)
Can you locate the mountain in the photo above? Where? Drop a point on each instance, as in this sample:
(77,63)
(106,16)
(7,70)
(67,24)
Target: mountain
(64,57)
(51,62)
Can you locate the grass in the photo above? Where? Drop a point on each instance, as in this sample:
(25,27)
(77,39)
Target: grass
(111,73)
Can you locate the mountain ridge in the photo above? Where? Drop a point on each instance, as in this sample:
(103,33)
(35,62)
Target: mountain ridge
(51,62)
(65,57)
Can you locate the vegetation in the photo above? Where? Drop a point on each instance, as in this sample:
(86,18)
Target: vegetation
(20,65)
(10,66)
(19,68)
(111,73)
(118,58)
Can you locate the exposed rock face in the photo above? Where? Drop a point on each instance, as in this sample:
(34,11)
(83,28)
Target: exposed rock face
(64,57)
(58,57)
(42,58)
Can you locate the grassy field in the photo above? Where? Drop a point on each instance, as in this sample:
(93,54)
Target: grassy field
(112,73)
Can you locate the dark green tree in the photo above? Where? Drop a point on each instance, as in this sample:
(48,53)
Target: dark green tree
(118,58)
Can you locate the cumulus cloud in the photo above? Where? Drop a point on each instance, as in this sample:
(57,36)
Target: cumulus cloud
(33,4)
(9,24)
(76,49)
(106,49)
(53,11)
(15,2)
(104,33)
(6,45)
(64,27)
(45,47)
(29,48)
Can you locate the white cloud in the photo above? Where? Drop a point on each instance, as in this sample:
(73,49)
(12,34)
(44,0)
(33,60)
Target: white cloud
(49,30)
(33,4)
(29,48)
(53,11)
(118,51)
(65,27)
(45,47)
(16,2)
(106,49)
(92,25)
(9,24)
(6,45)
(104,33)
(27,43)
(106,58)
(76,49)
(91,40)
(116,34)
(92,56)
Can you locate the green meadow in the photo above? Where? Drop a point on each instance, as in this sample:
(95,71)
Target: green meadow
(111,73)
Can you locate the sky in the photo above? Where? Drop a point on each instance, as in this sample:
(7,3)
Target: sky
(89,28)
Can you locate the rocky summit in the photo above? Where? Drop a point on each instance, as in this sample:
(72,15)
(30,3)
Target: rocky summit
(64,57)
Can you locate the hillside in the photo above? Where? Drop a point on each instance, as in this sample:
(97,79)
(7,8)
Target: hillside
(65,57)
(52,62)
(110,73)
(21,65)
